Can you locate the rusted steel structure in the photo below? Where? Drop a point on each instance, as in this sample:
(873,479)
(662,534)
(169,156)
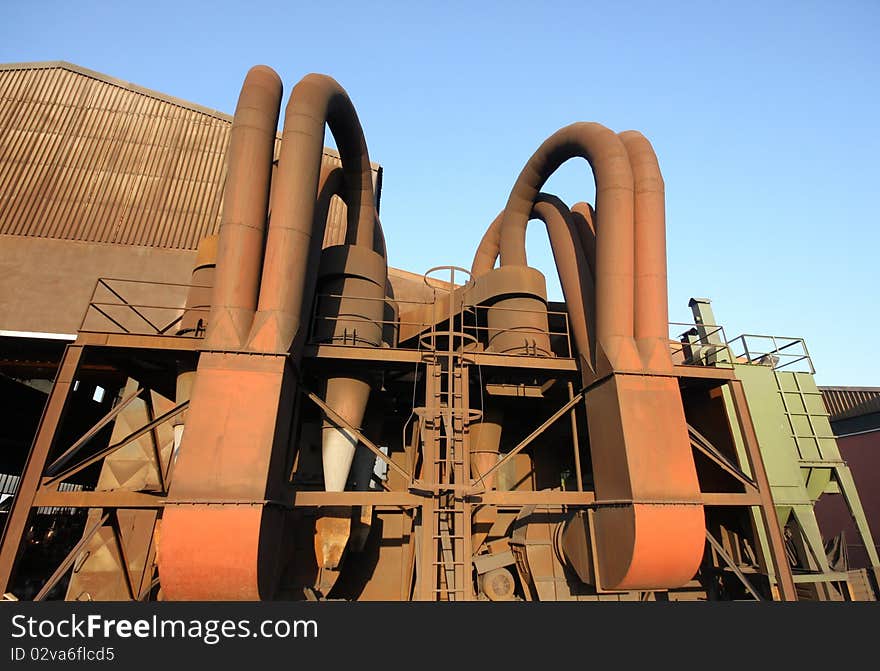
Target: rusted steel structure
(299,421)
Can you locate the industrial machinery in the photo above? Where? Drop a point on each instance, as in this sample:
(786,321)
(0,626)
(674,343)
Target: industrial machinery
(295,425)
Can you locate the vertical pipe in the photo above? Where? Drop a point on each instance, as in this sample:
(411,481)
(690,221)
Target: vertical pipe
(245,201)
(584,218)
(609,160)
(314,101)
(651,311)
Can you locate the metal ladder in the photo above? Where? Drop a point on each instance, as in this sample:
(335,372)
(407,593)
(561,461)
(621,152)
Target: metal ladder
(446,526)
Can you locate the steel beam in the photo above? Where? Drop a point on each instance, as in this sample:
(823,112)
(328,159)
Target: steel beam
(732,564)
(768,508)
(20,513)
(70,558)
(105,452)
(117,498)
(532,436)
(362,498)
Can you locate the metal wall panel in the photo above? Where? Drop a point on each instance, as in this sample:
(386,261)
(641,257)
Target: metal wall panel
(86,157)
(847,402)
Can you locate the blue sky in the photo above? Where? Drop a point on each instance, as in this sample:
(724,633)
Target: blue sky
(765,117)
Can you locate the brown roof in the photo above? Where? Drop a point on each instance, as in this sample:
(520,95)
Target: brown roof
(84,156)
(849,402)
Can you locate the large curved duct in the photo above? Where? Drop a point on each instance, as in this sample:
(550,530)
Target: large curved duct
(645,478)
(221,526)
(608,157)
(211,551)
(575,274)
(651,309)
(245,200)
(315,101)
(584,217)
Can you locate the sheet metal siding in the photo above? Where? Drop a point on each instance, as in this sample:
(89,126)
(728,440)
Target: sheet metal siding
(85,159)
(847,402)
(89,158)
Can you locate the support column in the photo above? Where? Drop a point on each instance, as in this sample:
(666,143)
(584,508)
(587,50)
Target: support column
(768,509)
(53,414)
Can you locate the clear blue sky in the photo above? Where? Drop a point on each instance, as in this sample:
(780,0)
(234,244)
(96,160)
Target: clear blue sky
(765,117)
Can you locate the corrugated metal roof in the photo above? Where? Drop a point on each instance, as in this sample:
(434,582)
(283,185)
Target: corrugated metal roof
(87,157)
(849,402)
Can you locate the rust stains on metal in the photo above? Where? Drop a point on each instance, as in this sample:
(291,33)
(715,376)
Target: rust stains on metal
(438,440)
(638,433)
(253,394)
(246,201)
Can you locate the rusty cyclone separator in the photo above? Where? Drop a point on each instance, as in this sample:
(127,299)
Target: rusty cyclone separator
(223,525)
(642,462)
(570,259)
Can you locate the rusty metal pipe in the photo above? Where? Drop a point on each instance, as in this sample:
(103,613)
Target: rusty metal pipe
(245,207)
(349,276)
(488,249)
(651,310)
(238,429)
(609,160)
(638,435)
(575,274)
(584,219)
(315,101)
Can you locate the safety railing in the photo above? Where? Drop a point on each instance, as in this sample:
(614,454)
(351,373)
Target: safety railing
(699,344)
(777,352)
(417,325)
(143,308)
(707,345)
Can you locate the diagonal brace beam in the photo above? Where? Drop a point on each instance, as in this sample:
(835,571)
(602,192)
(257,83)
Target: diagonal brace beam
(91,433)
(73,470)
(338,419)
(70,558)
(701,443)
(732,564)
(531,437)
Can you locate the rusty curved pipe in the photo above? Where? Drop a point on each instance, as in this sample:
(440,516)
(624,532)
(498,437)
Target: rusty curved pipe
(218,552)
(487,250)
(245,204)
(638,436)
(575,273)
(239,418)
(332,183)
(651,302)
(584,219)
(609,160)
(315,101)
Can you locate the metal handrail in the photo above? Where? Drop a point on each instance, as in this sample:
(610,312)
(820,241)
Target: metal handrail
(102,307)
(765,356)
(424,325)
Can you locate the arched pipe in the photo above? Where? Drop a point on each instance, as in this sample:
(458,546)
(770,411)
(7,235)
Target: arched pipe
(575,274)
(245,203)
(609,160)
(638,434)
(239,419)
(315,101)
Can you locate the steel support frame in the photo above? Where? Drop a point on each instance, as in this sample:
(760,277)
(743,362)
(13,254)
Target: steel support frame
(32,490)
(23,502)
(784,578)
